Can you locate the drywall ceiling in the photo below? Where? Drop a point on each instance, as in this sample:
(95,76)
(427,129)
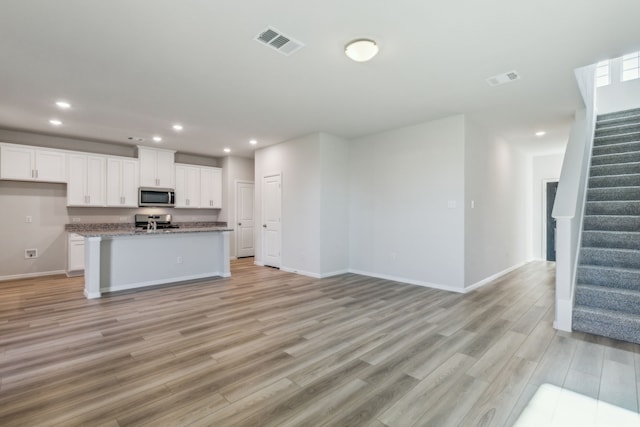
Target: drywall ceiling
(132,68)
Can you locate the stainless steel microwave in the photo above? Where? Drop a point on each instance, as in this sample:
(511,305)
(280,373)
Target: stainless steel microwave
(156,197)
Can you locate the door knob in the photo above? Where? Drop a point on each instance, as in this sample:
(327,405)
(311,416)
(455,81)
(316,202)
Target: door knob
(264,225)
(239,223)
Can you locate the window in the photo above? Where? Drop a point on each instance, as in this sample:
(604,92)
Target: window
(631,66)
(603,73)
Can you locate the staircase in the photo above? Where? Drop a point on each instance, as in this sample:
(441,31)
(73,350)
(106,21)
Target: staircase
(607,298)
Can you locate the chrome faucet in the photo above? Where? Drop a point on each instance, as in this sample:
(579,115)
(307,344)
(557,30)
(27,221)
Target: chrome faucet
(151,225)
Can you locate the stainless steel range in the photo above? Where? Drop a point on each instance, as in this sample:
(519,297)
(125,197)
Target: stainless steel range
(154,222)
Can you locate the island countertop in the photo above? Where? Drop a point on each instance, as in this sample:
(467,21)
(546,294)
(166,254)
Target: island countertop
(143,232)
(117,229)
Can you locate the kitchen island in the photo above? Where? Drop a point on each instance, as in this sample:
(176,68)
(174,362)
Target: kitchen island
(116,260)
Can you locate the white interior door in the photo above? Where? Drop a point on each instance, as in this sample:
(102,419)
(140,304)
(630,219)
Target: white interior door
(244,215)
(271,213)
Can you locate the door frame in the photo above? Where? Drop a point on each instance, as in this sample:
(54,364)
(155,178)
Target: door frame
(235,224)
(543,241)
(262,210)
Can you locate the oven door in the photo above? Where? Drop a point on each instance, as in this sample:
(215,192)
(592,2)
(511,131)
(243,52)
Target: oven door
(156,197)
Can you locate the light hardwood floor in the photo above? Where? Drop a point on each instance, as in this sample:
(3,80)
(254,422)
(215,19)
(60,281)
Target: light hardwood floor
(269,348)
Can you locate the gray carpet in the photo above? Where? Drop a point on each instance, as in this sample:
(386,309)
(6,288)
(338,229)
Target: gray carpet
(607,299)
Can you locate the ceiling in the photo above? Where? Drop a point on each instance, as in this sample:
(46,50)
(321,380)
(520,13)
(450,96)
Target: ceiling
(132,68)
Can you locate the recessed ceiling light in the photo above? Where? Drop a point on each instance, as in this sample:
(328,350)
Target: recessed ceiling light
(157,139)
(55,122)
(361,50)
(253,142)
(541,133)
(177,127)
(227,150)
(63,105)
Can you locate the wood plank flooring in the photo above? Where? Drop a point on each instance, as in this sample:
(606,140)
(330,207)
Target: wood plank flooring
(269,348)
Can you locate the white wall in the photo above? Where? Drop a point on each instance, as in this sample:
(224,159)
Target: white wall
(498,228)
(334,217)
(401,182)
(233,169)
(545,168)
(618,95)
(298,161)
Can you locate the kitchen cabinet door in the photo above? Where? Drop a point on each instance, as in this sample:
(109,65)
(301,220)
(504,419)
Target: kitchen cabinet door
(157,168)
(17,163)
(122,182)
(75,254)
(87,180)
(211,188)
(187,186)
(51,166)
(24,163)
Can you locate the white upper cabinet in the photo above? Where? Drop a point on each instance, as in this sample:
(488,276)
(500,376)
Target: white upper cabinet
(87,180)
(157,168)
(198,187)
(187,186)
(122,182)
(23,163)
(211,188)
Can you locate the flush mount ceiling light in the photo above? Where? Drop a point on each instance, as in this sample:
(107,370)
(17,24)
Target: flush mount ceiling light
(55,122)
(177,127)
(541,133)
(227,150)
(63,105)
(157,139)
(253,142)
(361,50)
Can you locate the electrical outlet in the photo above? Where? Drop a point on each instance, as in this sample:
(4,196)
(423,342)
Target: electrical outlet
(28,219)
(123,219)
(31,253)
(75,219)
(179,260)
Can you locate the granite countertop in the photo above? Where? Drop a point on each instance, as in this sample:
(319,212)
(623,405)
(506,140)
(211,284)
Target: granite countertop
(116,229)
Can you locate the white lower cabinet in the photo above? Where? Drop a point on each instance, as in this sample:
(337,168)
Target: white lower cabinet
(75,254)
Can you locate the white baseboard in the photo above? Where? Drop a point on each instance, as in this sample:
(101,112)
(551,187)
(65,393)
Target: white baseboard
(409,281)
(314,275)
(30,275)
(494,277)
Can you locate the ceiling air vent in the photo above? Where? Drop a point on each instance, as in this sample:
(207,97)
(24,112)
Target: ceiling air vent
(503,78)
(278,41)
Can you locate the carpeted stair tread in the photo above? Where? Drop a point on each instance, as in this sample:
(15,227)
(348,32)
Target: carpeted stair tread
(613,193)
(611,222)
(618,114)
(613,207)
(616,121)
(621,278)
(610,257)
(608,323)
(611,239)
(622,147)
(615,169)
(629,180)
(616,138)
(622,300)
(621,129)
(616,158)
